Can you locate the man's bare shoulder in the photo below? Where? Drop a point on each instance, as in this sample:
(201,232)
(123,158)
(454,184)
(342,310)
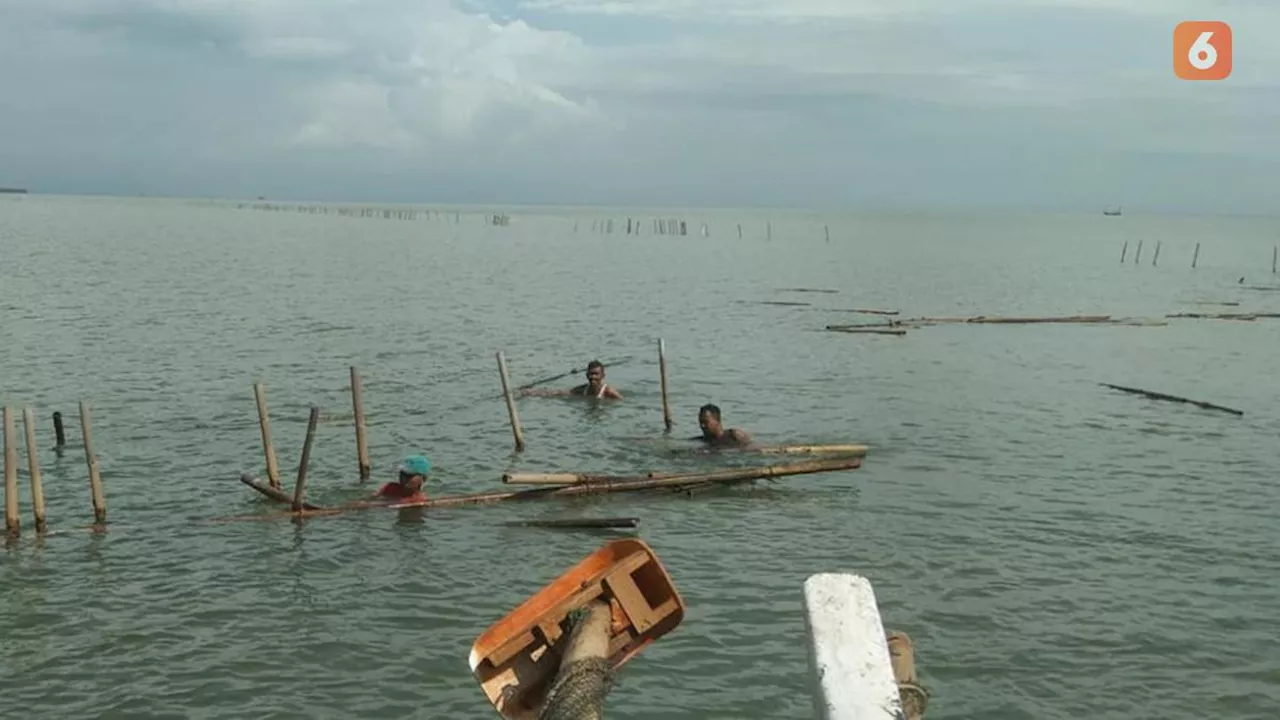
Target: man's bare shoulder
(611,392)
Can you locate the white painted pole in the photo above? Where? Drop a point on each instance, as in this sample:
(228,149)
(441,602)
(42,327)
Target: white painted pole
(848,654)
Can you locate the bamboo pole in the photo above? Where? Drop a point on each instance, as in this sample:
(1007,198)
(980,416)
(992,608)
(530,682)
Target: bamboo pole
(33,467)
(608,485)
(12,514)
(511,402)
(1137,256)
(95,479)
(59,434)
(362,445)
(264,423)
(811,449)
(1124,251)
(868,330)
(273,493)
(300,485)
(1155,260)
(583,679)
(1274,249)
(1171,398)
(1195,256)
(578,523)
(662,370)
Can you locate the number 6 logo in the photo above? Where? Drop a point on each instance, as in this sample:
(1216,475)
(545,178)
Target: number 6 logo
(1202,50)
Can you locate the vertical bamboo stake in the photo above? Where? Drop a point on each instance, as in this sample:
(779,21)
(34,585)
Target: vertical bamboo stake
(12,518)
(1138,255)
(1124,251)
(739,231)
(59,434)
(768,231)
(299,486)
(264,422)
(827,229)
(1155,260)
(33,465)
(1274,249)
(511,403)
(662,370)
(1195,257)
(362,445)
(95,479)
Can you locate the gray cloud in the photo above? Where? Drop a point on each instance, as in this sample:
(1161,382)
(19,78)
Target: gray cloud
(828,102)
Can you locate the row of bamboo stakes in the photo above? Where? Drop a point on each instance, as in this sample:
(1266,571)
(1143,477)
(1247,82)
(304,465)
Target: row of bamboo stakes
(362,441)
(12,511)
(1195,256)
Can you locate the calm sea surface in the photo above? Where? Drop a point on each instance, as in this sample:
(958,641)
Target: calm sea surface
(1055,549)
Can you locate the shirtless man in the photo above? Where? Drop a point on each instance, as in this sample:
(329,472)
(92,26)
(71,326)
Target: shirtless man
(594,387)
(714,432)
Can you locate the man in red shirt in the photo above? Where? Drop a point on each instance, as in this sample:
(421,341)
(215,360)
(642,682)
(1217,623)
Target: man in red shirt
(413,475)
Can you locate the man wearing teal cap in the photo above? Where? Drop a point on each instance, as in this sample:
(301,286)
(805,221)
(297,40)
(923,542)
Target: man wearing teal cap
(413,475)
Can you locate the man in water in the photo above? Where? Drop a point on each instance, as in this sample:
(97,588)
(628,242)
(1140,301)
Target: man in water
(595,387)
(413,475)
(714,432)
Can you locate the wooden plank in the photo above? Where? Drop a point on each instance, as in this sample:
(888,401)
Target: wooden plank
(624,587)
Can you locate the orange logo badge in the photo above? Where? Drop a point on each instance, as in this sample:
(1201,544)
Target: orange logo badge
(1202,50)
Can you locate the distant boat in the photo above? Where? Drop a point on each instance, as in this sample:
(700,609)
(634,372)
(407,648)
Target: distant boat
(1112,213)
(13,191)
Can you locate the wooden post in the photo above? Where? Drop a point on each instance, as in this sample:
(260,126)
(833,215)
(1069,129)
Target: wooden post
(12,518)
(301,484)
(1274,250)
(662,370)
(59,434)
(511,403)
(1195,257)
(739,231)
(33,466)
(1124,251)
(1138,255)
(1155,260)
(827,230)
(95,479)
(264,422)
(362,445)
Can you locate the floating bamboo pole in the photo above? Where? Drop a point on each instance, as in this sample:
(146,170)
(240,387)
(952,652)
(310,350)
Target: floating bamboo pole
(811,449)
(809,290)
(362,445)
(12,514)
(59,434)
(862,311)
(610,484)
(868,330)
(33,467)
(273,493)
(1246,317)
(95,479)
(264,423)
(300,485)
(516,430)
(620,522)
(662,370)
(1171,398)
(1195,256)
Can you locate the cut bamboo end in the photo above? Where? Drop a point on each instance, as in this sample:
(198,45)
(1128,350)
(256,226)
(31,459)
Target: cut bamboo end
(33,468)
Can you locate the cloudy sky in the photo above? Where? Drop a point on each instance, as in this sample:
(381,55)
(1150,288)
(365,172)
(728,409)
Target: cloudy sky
(1039,104)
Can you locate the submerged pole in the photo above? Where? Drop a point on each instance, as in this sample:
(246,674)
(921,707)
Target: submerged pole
(516,430)
(95,479)
(300,486)
(662,370)
(12,518)
(264,423)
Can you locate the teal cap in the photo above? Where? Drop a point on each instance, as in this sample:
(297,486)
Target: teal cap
(416,465)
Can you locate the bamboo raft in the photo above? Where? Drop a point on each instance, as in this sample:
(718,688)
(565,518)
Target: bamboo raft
(600,485)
